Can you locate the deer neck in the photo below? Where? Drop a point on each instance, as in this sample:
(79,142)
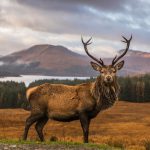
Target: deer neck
(105,95)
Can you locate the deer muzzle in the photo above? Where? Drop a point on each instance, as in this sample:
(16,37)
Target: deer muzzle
(108,79)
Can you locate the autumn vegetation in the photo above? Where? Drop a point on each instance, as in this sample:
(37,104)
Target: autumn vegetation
(125,125)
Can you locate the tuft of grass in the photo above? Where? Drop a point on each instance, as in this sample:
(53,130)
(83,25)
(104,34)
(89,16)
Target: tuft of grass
(53,139)
(65,144)
(115,143)
(147,145)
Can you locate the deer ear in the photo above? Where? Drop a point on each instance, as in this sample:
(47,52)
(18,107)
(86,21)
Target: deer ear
(96,66)
(119,65)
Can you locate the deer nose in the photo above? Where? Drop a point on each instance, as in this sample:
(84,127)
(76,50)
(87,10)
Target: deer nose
(108,78)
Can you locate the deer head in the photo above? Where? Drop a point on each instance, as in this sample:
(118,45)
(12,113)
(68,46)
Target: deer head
(108,72)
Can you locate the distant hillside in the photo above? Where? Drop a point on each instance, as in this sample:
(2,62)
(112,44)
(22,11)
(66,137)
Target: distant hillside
(46,60)
(60,61)
(137,62)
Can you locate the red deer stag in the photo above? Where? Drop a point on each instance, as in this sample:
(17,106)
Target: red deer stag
(81,102)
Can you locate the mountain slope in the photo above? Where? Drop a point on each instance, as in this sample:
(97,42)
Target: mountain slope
(59,61)
(46,60)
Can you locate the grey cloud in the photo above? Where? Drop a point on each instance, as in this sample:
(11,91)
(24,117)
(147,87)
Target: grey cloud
(103,19)
(64,16)
(73,5)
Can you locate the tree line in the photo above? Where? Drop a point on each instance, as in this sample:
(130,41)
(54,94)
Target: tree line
(132,89)
(12,95)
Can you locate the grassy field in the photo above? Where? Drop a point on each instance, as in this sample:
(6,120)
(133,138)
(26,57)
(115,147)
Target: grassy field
(125,125)
(31,145)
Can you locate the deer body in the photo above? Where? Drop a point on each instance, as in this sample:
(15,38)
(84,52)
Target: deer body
(81,102)
(65,103)
(62,102)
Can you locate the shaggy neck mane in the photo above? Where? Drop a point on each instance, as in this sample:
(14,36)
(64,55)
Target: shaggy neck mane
(105,95)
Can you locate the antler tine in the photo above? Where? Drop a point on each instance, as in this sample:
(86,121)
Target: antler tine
(101,61)
(115,60)
(126,40)
(88,42)
(85,44)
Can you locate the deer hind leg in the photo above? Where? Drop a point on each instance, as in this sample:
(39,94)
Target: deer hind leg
(30,120)
(40,125)
(85,121)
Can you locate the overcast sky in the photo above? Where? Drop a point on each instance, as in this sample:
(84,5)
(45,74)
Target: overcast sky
(24,23)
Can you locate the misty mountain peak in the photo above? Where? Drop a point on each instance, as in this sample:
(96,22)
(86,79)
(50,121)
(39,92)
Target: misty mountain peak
(45,59)
(135,53)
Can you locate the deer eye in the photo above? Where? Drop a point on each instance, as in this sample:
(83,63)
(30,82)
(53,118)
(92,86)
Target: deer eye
(114,71)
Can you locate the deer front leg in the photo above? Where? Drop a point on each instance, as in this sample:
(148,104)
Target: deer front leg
(85,121)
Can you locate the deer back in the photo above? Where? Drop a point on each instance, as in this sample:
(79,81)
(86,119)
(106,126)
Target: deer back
(62,97)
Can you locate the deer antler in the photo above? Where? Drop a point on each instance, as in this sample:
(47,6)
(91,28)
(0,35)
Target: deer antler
(115,60)
(85,44)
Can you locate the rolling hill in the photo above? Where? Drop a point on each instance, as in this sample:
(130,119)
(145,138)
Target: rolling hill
(46,60)
(60,61)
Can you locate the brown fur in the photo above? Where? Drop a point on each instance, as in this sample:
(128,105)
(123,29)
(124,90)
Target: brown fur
(29,91)
(61,100)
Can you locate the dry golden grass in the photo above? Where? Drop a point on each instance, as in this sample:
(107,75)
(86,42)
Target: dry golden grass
(124,125)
